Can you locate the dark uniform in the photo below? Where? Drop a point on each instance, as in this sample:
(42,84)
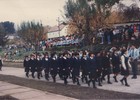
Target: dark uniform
(60,64)
(65,69)
(70,64)
(116,65)
(125,72)
(99,68)
(92,71)
(32,63)
(53,67)
(76,69)
(26,66)
(106,68)
(46,66)
(85,68)
(39,67)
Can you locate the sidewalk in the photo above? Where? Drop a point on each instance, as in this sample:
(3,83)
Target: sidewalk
(134,83)
(24,93)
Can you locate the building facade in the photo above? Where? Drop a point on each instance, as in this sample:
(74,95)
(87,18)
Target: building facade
(57,31)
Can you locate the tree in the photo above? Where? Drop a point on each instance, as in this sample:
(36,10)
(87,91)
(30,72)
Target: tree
(87,15)
(9,27)
(79,12)
(132,13)
(3,38)
(31,32)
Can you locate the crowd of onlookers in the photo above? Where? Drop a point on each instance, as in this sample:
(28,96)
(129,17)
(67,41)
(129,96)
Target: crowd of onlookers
(120,33)
(105,35)
(61,41)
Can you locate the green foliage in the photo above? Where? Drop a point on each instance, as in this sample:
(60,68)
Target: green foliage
(131,13)
(31,32)
(9,27)
(3,38)
(86,16)
(107,3)
(80,7)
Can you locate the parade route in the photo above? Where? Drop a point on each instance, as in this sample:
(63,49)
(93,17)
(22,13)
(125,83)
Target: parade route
(24,93)
(19,72)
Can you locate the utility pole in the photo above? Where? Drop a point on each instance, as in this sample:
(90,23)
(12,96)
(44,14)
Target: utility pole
(58,20)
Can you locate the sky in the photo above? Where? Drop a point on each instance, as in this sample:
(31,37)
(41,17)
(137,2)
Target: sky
(45,11)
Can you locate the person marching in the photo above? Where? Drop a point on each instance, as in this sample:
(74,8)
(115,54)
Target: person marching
(26,65)
(106,66)
(92,70)
(125,64)
(65,68)
(38,66)
(116,64)
(60,58)
(41,56)
(46,66)
(53,66)
(1,63)
(76,69)
(84,67)
(32,63)
(69,58)
(99,68)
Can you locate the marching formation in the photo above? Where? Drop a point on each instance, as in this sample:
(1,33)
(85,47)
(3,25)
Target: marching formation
(88,66)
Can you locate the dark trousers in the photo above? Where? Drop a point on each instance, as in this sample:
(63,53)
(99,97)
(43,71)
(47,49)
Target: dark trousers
(134,64)
(75,78)
(85,76)
(46,74)
(0,68)
(27,74)
(53,74)
(38,75)
(33,76)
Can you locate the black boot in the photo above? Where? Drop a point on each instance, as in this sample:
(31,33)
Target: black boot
(41,74)
(78,83)
(115,78)
(122,81)
(54,80)
(134,77)
(74,80)
(46,77)
(103,77)
(65,80)
(94,84)
(89,82)
(38,75)
(82,79)
(99,82)
(108,77)
(27,74)
(86,79)
(33,75)
(126,84)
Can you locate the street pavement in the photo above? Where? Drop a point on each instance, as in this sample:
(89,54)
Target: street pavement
(134,83)
(24,93)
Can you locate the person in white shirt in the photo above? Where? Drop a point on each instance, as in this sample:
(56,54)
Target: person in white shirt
(101,33)
(134,54)
(125,65)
